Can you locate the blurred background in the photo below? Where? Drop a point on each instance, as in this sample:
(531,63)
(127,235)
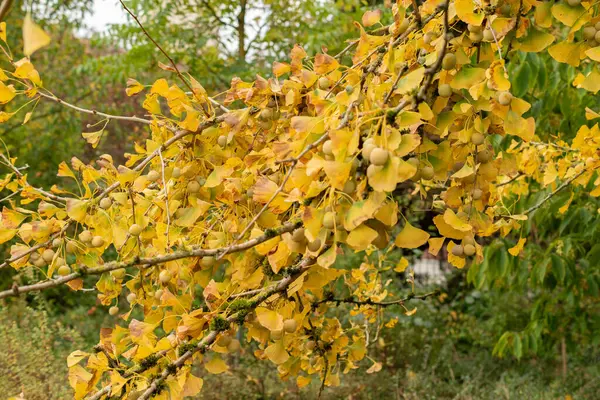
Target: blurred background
(510,328)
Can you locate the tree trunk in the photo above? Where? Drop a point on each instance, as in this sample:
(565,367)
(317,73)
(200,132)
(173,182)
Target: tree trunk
(4,8)
(241,30)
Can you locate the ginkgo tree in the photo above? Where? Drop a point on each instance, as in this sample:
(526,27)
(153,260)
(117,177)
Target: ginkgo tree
(231,215)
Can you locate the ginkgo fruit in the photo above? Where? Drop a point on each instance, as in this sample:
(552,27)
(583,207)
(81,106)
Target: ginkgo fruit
(349,89)
(176,173)
(64,270)
(449,61)
(118,273)
(158,294)
(97,241)
(131,298)
(378,156)
(477,138)
(114,310)
(266,114)
(574,3)
(429,37)
(57,242)
(324,83)
(488,34)
(315,245)
(445,90)
(589,32)
(208,262)
(597,37)
(277,334)
(222,140)
(476,37)
(477,193)
(153,176)
(468,250)
(164,276)
(458,250)
(48,255)
(40,262)
(86,236)
(193,187)
(329,220)
(328,147)
(367,149)
(290,325)
(298,235)
(105,203)
(484,156)
(427,172)
(310,345)
(349,187)
(505,98)
(135,230)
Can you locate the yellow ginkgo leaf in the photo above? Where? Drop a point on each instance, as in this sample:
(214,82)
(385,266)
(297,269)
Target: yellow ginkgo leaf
(591,114)
(7,93)
(270,319)
(516,250)
(411,237)
(402,265)
(77,209)
(361,237)
(371,17)
(93,138)
(455,222)
(276,353)
(34,37)
(435,244)
(216,366)
(376,367)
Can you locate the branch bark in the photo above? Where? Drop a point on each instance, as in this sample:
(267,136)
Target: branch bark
(148,262)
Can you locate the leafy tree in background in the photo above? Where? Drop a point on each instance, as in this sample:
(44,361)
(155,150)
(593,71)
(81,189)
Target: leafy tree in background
(236,210)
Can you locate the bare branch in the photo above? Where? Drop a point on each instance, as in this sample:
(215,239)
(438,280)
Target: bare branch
(94,112)
(369,302)
(555,191)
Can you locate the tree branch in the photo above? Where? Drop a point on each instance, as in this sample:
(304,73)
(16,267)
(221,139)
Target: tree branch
(94,112)
(210,338)
(5,8)
(148,262)
(370,302)
(553,193)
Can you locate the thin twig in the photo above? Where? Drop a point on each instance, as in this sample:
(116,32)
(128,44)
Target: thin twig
(94,112)
(173,64)
(431,71)
(165,184)
(17,172)
(352,300)
(558,189)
